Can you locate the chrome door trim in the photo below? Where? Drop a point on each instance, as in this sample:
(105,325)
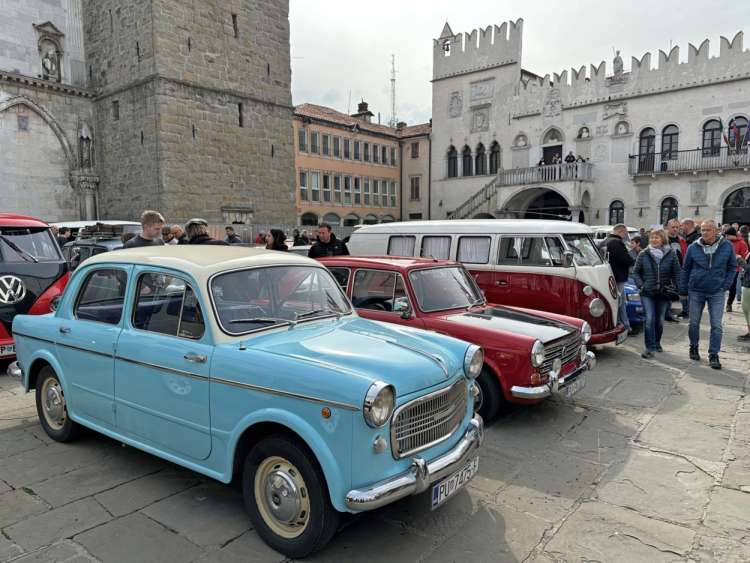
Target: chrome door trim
(280,393)
(164,368)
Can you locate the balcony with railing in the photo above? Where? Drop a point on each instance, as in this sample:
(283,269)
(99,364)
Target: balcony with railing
(546,173)
(695,160)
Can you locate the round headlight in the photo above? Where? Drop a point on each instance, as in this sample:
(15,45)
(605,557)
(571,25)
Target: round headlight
(473,361)
(596,307)
(587,290)
(379,403)
(585,332)
(583,353)
(537,354)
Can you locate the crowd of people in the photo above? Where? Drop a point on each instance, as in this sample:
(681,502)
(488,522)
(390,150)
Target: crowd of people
(156,232)
(701,266)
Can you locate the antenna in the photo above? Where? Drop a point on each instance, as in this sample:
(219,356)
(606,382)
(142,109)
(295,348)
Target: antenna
(392,122)
(349,104)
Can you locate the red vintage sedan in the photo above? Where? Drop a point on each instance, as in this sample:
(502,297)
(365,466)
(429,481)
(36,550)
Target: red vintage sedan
(529,355)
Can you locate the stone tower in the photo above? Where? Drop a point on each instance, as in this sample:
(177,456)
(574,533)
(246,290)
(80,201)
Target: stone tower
(193,108)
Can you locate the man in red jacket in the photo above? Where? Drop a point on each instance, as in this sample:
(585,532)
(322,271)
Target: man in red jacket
(740,251)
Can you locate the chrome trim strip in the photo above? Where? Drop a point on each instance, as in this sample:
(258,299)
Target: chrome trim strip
(78,349)
(437,359)
(543,391)
(420,475)
(164,368)
(280,393)
(14,334)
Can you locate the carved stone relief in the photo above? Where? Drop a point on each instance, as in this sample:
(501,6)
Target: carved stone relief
(482,90)
(600,153)
(552,104)
(698,192)
(480,119)
(456,105)
(614,109)
(602,130)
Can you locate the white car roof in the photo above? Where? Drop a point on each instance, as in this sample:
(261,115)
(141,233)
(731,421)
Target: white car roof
(82,224)
(515,226)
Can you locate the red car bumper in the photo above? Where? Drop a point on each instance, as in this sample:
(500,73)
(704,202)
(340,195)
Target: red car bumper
(607,336)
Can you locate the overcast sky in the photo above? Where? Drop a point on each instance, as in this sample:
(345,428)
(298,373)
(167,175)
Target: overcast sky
(343,46)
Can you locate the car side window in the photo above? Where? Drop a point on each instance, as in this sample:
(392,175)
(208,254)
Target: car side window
(102,296)
(401,246)
(508,253)
(534,252)
(341,275)
(167,305)
(379,291)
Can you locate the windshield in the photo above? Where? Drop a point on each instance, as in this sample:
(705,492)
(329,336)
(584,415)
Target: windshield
(259,298)
(584,250)
(28,245)
(439,289)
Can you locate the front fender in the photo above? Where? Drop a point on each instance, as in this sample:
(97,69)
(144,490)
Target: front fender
(338,478)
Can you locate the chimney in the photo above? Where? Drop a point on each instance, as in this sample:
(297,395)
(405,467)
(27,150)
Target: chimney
(363,114)
(400,125)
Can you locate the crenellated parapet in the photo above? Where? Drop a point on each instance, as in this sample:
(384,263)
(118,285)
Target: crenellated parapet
(580,88)
(456,54)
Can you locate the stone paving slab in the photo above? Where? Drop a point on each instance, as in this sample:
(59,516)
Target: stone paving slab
(709,549)
(729,514)
(248,548)
(601,532)
(8,549)
(113,542)
(62,552)
(660,485)
(674,433)
(18,505)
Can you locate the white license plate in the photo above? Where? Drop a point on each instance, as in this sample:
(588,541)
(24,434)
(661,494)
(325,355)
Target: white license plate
(9,350)
(622,337)
(575,386)
(449,486)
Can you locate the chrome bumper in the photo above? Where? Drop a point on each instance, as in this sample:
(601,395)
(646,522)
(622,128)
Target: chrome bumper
(421,473)
(14,370)
(555,384)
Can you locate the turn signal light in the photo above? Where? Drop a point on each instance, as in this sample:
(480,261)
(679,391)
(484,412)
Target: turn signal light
(536,379)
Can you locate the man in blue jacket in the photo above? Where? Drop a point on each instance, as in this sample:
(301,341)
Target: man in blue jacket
(707,272)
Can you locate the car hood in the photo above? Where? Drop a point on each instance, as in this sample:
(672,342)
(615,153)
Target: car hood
(511,320)
(409,359)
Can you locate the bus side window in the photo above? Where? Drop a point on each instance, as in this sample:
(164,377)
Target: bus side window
(401,246)
(508,252)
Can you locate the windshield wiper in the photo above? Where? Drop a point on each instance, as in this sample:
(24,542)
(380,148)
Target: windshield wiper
(262,320)
(21,252)
(317,311)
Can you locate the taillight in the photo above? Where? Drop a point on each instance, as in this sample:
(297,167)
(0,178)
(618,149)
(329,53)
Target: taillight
(43,304)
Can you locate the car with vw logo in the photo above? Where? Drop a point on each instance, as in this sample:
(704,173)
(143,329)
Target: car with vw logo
(33,272)
(252,364)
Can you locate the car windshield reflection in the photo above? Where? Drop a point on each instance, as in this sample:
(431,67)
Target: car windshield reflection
(440,289)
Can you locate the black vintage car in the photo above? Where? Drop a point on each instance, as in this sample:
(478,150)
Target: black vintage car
(91,241)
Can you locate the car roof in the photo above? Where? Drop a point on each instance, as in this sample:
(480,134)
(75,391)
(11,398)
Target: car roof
(481,226)
(15,220)
(82,224)
(201,261)
(392,262)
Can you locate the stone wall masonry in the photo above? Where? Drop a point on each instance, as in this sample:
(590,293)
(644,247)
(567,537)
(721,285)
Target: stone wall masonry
(209,163)
(196,43)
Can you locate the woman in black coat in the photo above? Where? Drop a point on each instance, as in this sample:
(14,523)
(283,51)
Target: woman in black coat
(275,240)
(656,272)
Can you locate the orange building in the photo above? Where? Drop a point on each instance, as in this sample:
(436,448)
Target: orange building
(348,168)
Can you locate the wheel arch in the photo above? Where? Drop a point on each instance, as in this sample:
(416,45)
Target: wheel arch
(37,363)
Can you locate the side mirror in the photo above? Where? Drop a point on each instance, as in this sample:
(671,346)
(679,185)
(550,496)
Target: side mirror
(54,304)
(567,259)
(401,305)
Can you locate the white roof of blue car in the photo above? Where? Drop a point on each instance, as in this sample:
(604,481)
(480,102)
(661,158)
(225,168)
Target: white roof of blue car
(511,226)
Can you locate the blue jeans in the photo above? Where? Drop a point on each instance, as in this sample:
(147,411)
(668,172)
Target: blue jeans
(654,309)
(622,306)
(715,312)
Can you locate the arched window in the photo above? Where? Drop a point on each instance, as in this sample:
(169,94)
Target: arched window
(370,219)
(552,136)
(466,161)
(332,219)
(452,162)
(494,157)
(668,210)
(480,166)
(646,150)
(388,219)
(669,140)
(712,137)
(351,220)
(737,136)
(616,212)
(309,220)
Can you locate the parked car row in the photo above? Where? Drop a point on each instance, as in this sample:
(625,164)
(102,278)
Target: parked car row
(324,387)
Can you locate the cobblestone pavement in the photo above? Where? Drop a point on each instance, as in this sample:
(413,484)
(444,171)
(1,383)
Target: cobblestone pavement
(650,462)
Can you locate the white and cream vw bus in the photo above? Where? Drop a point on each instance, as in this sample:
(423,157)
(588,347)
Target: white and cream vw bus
(547,265)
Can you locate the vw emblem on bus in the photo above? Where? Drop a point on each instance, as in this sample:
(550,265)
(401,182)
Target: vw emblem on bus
(12,290)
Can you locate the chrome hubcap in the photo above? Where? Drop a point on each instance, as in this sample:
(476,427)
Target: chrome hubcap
(282,497)
(53,404)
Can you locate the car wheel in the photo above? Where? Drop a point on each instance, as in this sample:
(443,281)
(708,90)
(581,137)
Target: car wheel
(52,408)
(490,397)
(287,498)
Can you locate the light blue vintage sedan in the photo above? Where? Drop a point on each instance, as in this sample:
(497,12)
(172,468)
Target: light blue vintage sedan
(238,362)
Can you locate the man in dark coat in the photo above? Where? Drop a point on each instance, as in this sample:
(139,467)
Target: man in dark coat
(232,237)
(328,244)
(150,235)
(197,233)
(690,231)
(620,261)
(709,268)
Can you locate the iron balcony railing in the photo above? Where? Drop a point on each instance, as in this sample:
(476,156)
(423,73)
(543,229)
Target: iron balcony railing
(575,171)
(694,160)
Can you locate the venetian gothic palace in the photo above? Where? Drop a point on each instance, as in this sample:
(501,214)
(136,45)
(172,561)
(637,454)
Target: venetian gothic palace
(668,138)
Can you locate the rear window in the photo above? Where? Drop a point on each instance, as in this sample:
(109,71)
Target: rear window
(28,245)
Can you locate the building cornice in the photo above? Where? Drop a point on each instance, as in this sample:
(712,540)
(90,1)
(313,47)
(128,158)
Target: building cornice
(41,84)
(474,69)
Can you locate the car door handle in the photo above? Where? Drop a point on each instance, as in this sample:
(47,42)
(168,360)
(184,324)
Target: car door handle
(64,329)
(197,358)
(501,282)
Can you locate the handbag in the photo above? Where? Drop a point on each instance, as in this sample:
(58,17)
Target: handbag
(670,292)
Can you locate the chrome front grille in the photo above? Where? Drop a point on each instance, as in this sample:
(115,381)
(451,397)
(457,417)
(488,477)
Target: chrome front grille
(426,421)
(566,348)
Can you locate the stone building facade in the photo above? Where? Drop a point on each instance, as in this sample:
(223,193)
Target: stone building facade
(181,107)
(654,142)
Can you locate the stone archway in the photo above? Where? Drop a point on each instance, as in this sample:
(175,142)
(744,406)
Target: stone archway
(483,216)
(538,203)
(736,206)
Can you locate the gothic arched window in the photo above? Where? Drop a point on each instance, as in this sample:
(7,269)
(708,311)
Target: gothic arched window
(494,157)
(616,212)
(668,210)
(737,134)
(452,162)
(466,161)
(712,137)
(669,141)
(646,150)
(480,161)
